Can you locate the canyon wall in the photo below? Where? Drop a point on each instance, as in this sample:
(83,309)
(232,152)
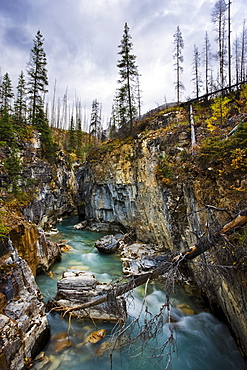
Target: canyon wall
(121,183)
(26,251)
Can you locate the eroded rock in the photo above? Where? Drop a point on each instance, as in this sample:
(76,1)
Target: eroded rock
(79,287)
(24,329)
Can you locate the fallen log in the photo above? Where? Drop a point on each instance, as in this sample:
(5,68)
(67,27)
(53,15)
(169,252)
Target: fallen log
(205,243)
(118,290)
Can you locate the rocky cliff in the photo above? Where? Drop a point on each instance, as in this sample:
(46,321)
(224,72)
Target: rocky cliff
(159,187)
(23,323)
(48,192)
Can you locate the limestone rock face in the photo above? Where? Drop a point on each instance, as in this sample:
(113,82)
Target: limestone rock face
(31,243)
(24,329)
(121,188)
(52,183)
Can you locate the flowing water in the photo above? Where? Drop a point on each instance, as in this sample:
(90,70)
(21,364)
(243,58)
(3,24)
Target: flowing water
(198,341)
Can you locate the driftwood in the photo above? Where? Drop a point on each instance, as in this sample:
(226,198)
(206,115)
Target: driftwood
(204,244)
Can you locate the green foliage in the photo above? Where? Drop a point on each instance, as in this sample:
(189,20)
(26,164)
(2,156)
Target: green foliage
(4,230)
(6,130)
(20,103)
(72,136)
(49,147)
(13,167)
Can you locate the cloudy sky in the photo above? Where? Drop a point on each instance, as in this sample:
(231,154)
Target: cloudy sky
(82,38)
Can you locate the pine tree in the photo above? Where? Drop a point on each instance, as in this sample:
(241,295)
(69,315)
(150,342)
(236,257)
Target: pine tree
(179,45)
(126,99)
(38,80)
(6,93)
(20,103)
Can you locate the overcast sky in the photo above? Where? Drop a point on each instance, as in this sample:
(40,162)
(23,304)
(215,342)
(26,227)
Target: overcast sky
(82,38)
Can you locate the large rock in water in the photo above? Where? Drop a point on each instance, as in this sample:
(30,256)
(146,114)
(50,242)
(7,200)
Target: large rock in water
(79,287)
(108,244)
(24,329)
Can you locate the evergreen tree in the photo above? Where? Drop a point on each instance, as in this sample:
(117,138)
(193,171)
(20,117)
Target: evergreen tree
(72,135)
(20,103)
(6,93)
(13,167)
(6,129)
(95,123)
(38,80)
(79,136)
(126,99)
(178,46)
(49,147)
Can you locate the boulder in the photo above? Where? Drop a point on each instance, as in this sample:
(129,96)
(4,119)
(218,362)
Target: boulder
(140,257)
(108,244)
(79,287)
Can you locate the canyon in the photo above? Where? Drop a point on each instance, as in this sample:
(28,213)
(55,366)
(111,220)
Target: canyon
(150,185)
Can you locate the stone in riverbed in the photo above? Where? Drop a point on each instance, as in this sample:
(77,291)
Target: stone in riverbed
(79,287)
(108,244)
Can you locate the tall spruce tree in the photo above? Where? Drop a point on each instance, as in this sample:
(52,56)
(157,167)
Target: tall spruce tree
(20,103)
(95,122)
(126,94)
(6,93)
(38,80)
